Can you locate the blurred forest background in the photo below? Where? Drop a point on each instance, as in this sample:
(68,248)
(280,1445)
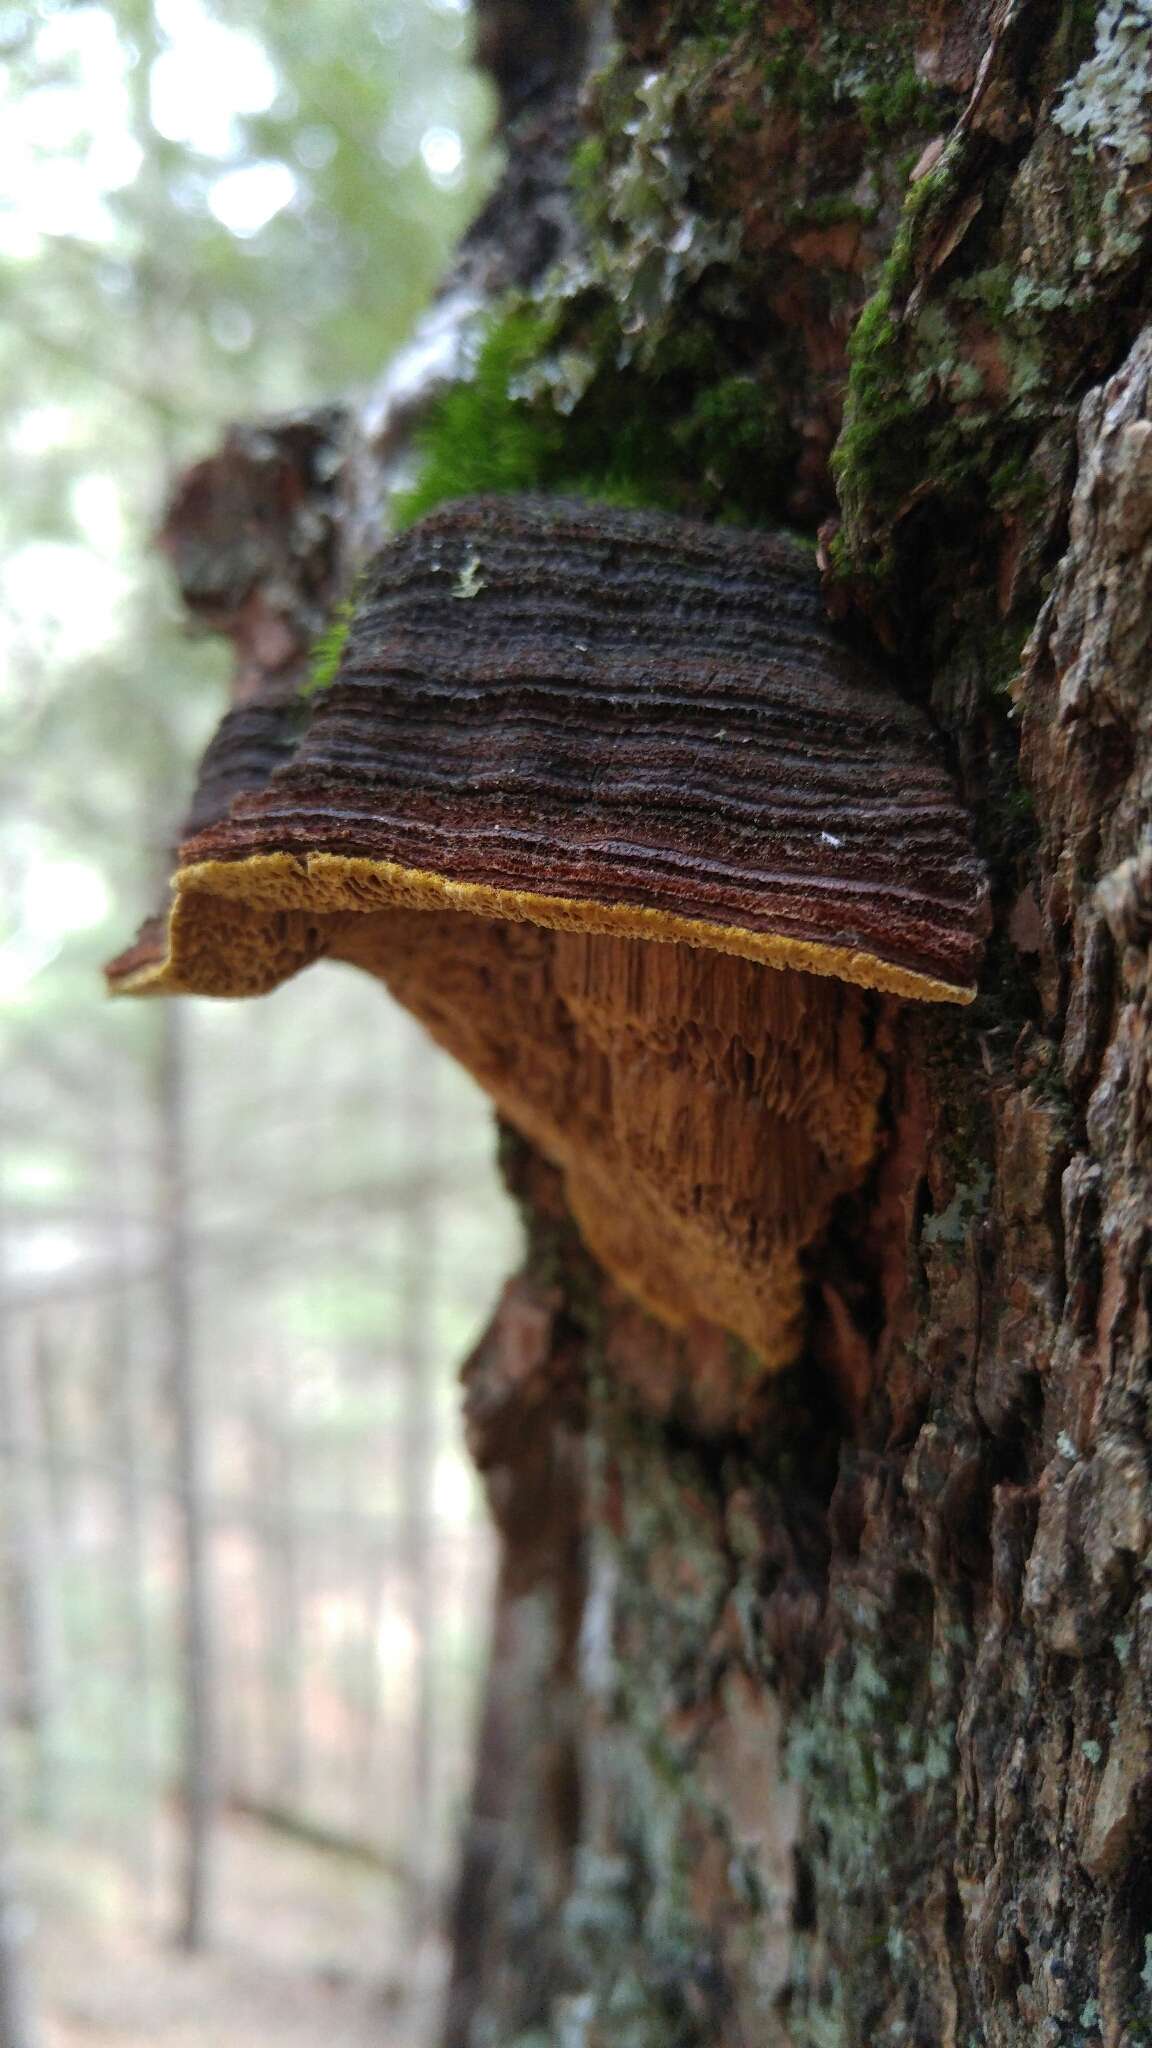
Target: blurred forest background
(242,1250)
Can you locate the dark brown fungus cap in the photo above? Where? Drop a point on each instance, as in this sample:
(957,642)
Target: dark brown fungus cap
(249,745)
(590,729)
(600,721)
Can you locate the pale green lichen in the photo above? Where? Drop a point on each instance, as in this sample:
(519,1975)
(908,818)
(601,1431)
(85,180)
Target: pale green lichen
(872,1748)
(968,1205)
(469,583)
(649,240)
(1107,104)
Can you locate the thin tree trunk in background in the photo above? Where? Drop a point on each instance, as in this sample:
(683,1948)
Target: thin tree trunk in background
(418,1440)
(17,2018)
(182,1378)
(139,1742)
(279,1543)
(127,1400)
(375,1564)
(48,1376)
(18,2026)
(38,1567)
(36,1695)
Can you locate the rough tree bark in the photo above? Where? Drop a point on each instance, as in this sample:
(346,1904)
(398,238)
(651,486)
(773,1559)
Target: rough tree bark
(819,1708)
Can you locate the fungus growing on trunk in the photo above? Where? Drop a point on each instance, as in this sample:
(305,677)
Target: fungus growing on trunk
(689,831)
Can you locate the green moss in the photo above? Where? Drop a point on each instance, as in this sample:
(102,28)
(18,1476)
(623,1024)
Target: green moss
(481,438)
(1016,482)
(872,455)
(683,430)
(730,424)
(994,289)
(588,168)
(631,381)
(830,211)
(920,420)
(328,649)
(888,105)
(794,80)
(927,421)
(871,75)
(720,21)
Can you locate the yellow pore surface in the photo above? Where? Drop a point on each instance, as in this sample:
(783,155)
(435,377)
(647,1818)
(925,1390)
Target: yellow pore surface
(241,927)
(707,1113)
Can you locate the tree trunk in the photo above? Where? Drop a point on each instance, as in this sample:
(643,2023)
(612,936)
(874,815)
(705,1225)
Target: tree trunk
(820,1705)
(32,1690)
(18,2023)
(128,1411)
(281,1775)
(418,1434)
(182,1376)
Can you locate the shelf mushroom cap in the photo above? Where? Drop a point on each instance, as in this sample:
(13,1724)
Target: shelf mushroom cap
(599,721)
(588,729)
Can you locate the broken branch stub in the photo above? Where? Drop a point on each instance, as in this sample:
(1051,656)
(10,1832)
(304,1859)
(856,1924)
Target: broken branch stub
(561,733)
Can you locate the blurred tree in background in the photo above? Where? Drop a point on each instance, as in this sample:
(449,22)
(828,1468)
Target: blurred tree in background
(205,211)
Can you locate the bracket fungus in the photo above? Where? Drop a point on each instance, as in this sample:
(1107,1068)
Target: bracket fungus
(604,799)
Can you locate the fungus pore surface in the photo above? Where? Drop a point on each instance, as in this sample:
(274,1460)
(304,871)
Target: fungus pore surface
(604,800)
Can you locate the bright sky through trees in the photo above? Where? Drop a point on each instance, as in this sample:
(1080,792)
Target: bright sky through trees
(203,211)
(211,212)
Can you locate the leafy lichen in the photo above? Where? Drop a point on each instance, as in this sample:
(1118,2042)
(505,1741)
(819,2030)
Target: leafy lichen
(1107,104)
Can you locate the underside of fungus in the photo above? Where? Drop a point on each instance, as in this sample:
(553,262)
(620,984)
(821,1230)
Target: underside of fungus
(605,801)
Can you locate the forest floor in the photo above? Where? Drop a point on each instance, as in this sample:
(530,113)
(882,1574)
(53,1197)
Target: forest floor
(307,1955)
